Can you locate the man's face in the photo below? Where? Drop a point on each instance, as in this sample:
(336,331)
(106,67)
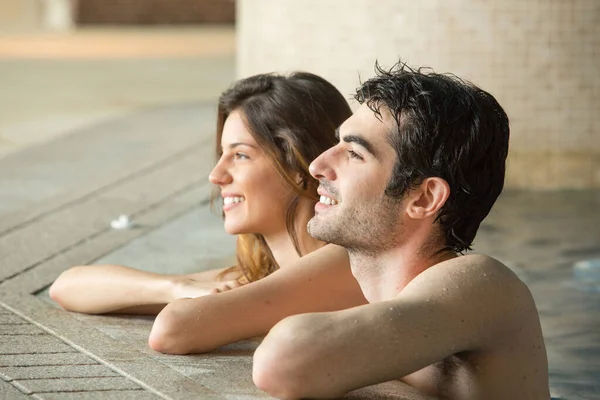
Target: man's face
(354,211)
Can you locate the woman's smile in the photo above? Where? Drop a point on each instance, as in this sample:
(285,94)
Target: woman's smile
(230,201)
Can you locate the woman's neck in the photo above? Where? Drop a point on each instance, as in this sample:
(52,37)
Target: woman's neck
(281,243)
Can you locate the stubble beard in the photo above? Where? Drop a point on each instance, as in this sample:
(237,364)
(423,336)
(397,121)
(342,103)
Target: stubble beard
(365,230)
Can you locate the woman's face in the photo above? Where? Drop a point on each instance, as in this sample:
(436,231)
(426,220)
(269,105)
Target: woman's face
(255,197)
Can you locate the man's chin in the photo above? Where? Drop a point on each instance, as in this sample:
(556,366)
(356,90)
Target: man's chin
(317,229)
(312,227)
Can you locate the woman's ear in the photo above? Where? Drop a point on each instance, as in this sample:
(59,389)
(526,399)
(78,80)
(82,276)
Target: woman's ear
(426,200)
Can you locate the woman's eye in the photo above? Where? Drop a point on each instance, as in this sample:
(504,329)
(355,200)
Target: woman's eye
(355,155)
(241,156)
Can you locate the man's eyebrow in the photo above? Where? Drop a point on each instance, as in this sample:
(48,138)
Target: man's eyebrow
(361,142)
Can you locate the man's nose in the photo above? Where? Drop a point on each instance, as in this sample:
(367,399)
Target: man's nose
(321,167)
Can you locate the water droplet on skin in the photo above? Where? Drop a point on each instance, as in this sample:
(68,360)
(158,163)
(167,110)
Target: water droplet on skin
(445,289)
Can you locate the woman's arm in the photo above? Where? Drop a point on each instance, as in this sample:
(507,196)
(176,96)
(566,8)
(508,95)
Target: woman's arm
(99,289)
(319,281)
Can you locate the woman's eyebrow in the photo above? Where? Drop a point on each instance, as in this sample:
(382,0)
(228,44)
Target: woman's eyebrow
(237,144)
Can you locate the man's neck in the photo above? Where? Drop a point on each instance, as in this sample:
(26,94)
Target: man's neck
(383,275)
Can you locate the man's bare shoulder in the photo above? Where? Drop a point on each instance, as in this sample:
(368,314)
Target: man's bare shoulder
(476,290)
(466,272)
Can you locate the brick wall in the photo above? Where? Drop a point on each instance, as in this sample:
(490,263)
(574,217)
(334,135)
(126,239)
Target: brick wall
(155,11)
(540,58)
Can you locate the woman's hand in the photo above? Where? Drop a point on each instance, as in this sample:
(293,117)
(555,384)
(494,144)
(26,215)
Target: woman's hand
(186,287)
(225,286)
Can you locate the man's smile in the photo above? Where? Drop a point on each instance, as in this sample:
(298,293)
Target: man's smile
(327,200)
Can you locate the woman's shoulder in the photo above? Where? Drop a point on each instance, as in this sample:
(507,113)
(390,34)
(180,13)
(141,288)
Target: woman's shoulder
(329,256)
(328,252)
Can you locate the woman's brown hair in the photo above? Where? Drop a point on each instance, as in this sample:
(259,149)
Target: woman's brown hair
(293,119)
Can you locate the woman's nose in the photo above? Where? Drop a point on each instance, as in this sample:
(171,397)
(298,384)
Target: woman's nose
(321,167)
(219,175)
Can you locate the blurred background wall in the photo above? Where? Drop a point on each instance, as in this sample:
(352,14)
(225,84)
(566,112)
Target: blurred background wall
(68,65)
(20,14)
(540,58)
(66,14)
(155,11)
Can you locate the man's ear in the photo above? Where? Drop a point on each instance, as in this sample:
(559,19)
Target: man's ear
(426,200)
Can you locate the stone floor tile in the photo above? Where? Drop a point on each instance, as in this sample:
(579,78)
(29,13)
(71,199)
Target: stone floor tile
(33,344)
(24,360)
(98,395)
(78,384)
(20,387)
(20,330)
(9,392)
(58,371)
(11,319)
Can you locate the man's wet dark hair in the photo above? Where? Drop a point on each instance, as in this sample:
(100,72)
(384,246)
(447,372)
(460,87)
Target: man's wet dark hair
(447,128)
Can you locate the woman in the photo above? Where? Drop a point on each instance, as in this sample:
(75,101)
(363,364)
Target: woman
(269,129)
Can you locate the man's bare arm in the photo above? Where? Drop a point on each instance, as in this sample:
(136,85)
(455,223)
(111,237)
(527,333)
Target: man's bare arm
(445,310)
(319,281)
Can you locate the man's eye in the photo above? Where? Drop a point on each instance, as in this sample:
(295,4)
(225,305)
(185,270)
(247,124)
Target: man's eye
(355,155)
(241,156)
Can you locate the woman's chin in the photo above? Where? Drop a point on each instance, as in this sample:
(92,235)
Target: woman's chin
(235,229)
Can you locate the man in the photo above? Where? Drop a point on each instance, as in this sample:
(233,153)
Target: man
(416,170)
